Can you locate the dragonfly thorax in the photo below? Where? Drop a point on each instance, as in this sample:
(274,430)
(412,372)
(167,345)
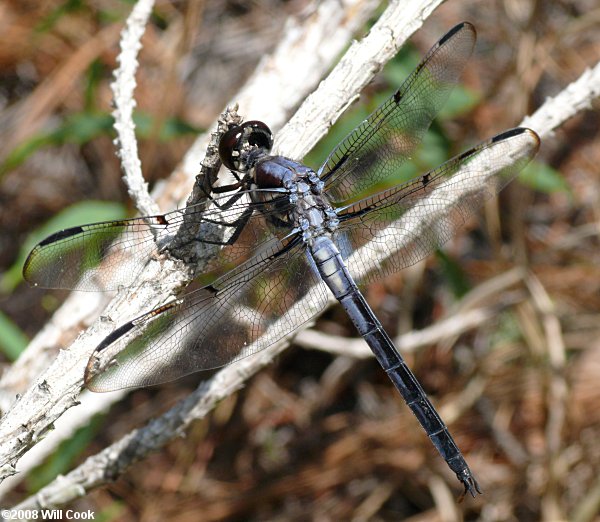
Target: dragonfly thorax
(304,207)
(313,215)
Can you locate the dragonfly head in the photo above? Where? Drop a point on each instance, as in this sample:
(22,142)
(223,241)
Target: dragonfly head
(243,144)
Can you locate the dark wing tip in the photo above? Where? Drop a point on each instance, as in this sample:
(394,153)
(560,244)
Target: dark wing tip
(52,238)
(463,26)
(61,234)
(517,131)
(92,368)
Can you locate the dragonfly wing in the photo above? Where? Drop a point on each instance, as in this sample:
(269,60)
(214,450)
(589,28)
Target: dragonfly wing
(241,313)
(109,255)
(98,256)
(372,153)
(400,226)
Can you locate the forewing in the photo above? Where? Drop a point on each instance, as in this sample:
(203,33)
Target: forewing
(109,255)
(400,226)
(97,256)
(243,312)
(372,153)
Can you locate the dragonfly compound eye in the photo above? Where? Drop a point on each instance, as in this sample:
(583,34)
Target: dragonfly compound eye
(241,145)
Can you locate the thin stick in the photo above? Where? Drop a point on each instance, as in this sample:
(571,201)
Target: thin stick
(123,88)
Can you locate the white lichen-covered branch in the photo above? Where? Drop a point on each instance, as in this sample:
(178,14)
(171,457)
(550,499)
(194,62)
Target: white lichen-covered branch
(576,97)
(124,99)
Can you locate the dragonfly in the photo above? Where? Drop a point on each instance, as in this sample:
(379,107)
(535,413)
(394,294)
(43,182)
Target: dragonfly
(284,237)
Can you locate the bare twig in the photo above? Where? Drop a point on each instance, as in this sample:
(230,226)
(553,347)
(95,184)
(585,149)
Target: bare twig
(123,88)
(576,97)
(408,343)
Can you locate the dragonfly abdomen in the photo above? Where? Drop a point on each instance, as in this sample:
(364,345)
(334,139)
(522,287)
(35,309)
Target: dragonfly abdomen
(334,273)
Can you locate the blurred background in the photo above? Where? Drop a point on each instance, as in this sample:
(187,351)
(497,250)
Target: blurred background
(317,436)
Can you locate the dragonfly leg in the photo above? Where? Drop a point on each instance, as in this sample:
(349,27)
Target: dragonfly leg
(208,189)
(229,203)
(239,225)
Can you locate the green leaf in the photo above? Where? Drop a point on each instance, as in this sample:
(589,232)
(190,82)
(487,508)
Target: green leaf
(93,78)
(432,152)
(83,212)
(78,128)
(461,101)
(400,66)
(12,339)
(82,127)
(170,128)
(543,178)
(62,459)
(176,127)
(455,275)
(48,22)
(111,512)
(21,152)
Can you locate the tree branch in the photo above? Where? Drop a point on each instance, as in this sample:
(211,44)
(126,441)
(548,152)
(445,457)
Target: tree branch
(123,89)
